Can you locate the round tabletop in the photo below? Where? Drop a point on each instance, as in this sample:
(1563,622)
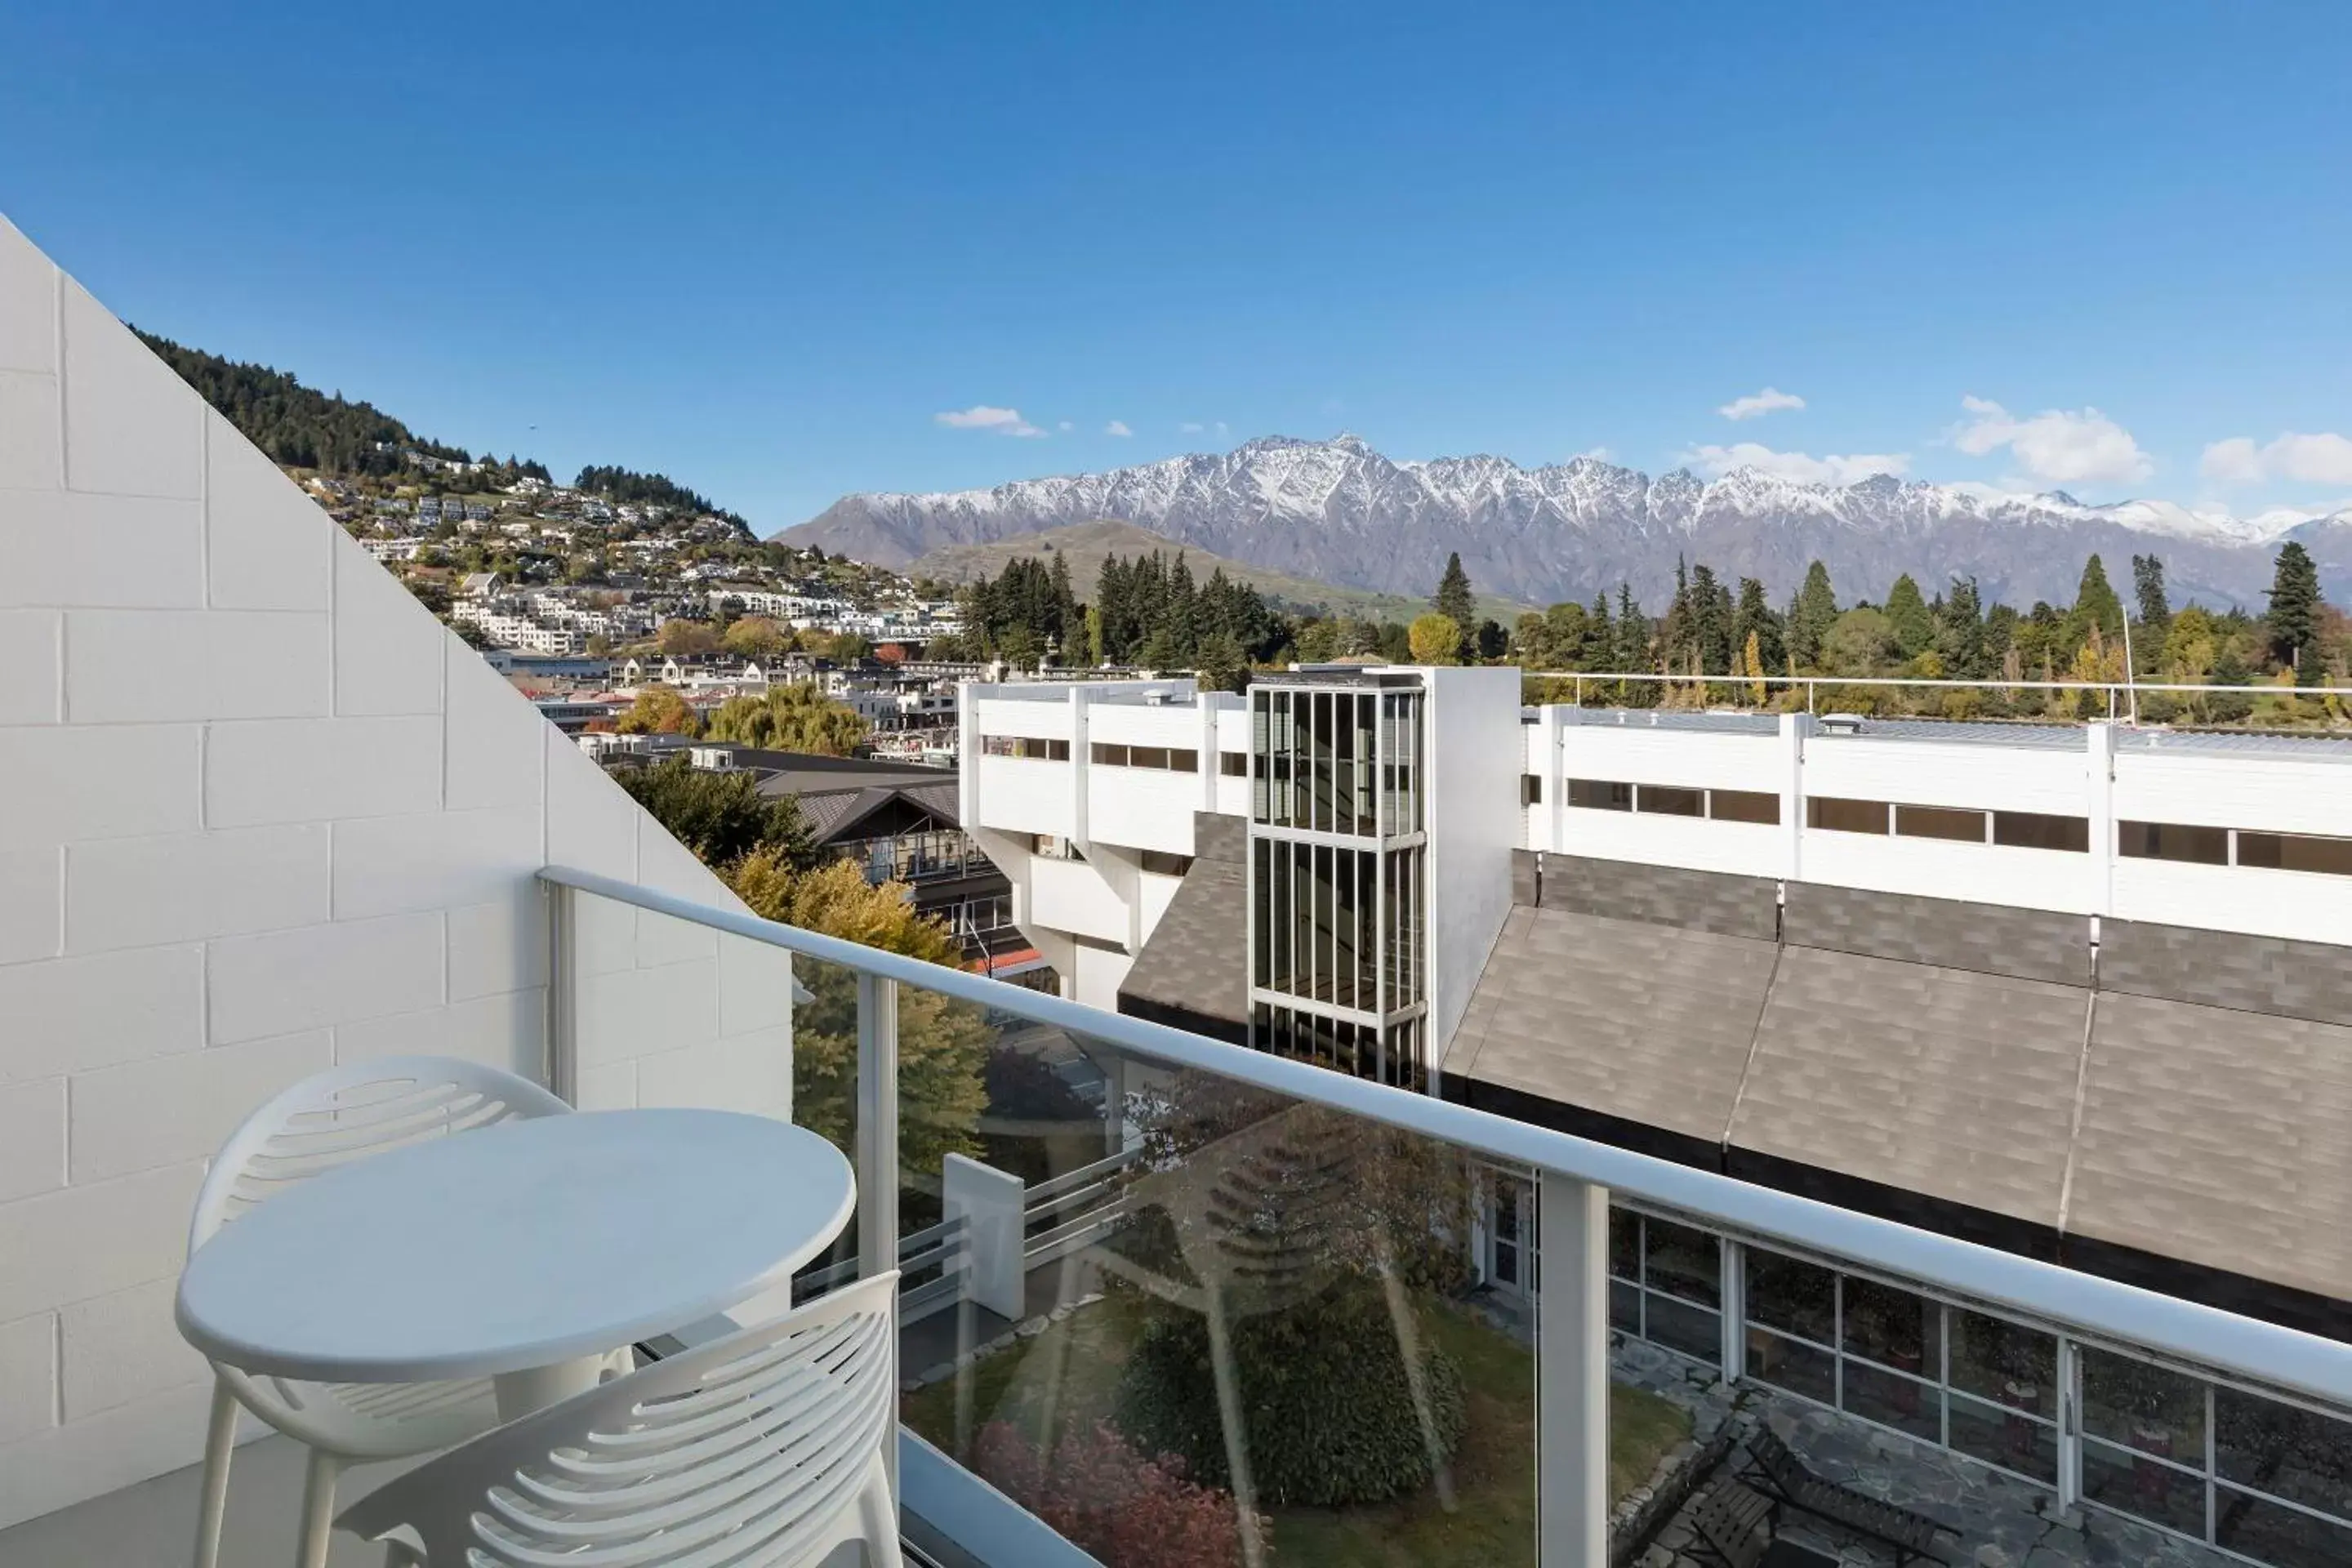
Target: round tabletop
(516,1246)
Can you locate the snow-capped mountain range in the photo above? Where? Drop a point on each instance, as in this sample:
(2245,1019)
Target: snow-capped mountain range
(1339,512)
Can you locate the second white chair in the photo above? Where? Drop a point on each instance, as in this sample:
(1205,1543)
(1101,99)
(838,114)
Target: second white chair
(330,1119)
(763,1449)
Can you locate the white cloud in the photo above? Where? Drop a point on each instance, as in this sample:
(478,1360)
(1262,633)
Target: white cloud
(981,416)
(2056,446)
(2324,459)
(1066,426)
(1116,427)
(1223,430)
(1771,400)
(1191,427)
(1598,454)
(1831,469)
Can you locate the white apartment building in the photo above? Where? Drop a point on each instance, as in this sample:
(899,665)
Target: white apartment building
(2083,993)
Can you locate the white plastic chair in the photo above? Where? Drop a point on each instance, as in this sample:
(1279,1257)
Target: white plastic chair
(763,1449)
(329,1120)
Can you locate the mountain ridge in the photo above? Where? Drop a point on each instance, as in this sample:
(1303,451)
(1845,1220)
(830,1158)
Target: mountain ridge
(1338,511)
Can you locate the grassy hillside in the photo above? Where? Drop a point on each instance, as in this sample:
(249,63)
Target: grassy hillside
(1086,543)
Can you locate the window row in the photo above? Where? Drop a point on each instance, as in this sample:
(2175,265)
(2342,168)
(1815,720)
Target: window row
(1028,746)
(1391,1055)
(1159,862)
(1336,762)
(1673,800)
(1170,759)
(2016,829)
(2257,1476)
(2235,846)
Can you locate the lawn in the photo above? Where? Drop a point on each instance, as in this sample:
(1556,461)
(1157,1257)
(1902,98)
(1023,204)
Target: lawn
(1068,1374)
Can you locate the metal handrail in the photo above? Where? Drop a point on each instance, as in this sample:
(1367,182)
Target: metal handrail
(1991,683)
(2262,1352)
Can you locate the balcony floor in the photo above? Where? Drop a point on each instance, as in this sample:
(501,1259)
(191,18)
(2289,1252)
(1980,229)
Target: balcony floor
(155,1522)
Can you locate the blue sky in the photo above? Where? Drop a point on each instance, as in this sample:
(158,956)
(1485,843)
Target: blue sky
(766,248)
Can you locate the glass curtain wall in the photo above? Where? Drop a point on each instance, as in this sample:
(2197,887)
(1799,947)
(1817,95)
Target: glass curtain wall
(2265,1477)
(1335,877)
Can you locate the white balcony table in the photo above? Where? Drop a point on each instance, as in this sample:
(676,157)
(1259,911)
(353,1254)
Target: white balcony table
(523,1252)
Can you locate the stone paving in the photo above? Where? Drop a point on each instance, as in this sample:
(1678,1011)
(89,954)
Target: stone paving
(1997,1522)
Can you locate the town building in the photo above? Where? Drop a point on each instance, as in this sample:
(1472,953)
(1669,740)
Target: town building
(2076,992)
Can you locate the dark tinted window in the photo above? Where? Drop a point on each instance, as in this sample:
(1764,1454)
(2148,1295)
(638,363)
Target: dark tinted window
(2173,841)
(1669,800)
(1146,756)
(1530,789)
(1166,865)
(1939,821)
(2295,852)
(1183,760)
(1233,765)
(1743,805)
(1109,756)
(2034,830)
(1845,815)
(1600,794)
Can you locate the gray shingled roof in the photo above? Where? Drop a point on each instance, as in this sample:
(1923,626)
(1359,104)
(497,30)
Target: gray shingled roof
(1197,960)
(2220,1137)
(1660,1018)
(1967,1059)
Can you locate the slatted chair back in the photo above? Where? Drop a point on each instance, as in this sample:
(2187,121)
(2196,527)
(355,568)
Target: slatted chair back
(755,1451)
(333,1119)
(1731,1520)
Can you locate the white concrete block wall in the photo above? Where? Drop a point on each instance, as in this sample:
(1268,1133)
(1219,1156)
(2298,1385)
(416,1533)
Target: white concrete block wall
(262,815)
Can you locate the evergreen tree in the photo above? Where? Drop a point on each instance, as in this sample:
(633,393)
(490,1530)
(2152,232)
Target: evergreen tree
(1065,626)
(1961,637)
(1600,651)
(1816,608)
(1454,599)
(1677,632)
(2147,587)
(1908,613)
(1755,622)
(1710,611)
(2295,610)
(2095,605)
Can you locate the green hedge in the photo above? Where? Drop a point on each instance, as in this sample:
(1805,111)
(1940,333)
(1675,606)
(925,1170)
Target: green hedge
(1329,1413)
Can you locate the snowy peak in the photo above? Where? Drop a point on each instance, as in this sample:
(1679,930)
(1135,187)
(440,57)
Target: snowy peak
(1341,512)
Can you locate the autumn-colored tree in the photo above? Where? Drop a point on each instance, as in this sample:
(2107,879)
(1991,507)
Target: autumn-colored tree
(1097,1493)
(789,718)
(942,1044)
(658,710)
(684,639)
(757,636)
(1435,639)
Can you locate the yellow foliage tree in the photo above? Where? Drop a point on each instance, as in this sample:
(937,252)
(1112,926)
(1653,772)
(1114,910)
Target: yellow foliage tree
(658,710)
(1435,639)
(942,1044)
(794,717)
(757,636)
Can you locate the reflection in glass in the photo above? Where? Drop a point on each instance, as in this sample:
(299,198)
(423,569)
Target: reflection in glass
(1893,1399)
(2007,1437)
(2135,1484)
(1790,1294)
(2143,1406)
(2006,1362)
(1688,1262)
(2271,1532)
(1893,1328)
(1789,1364)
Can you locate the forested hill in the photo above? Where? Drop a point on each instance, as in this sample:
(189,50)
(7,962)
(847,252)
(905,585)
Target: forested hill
(296,424)
(303,428)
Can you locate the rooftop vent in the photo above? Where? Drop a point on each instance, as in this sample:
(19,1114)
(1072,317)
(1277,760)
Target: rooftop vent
(1841,723)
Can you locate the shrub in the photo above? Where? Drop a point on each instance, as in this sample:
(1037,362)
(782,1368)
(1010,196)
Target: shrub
(1098,1492)
(1329,1414)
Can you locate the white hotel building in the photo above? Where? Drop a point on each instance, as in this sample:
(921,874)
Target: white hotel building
(2080,992)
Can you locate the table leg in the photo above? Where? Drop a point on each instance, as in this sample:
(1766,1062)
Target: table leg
(520,1392)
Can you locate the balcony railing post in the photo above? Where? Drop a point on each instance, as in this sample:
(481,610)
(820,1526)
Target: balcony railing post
(563,1064)
(1571,1372)
(877,1143)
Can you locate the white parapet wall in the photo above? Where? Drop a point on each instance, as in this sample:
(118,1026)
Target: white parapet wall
(262,815)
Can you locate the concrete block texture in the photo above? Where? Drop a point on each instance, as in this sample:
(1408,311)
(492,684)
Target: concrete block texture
(2279,975)
(1662,895)
(263,815)
(1989,938)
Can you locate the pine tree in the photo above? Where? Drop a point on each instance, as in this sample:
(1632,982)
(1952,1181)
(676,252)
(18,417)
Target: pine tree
(2095,605)
(1677,631)
(1599,650)
(2147,587)
(1960,638)
(1755,622)
(1908,613)
(1710,611)
(2295,610)
(1809,622)
(1455,601)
